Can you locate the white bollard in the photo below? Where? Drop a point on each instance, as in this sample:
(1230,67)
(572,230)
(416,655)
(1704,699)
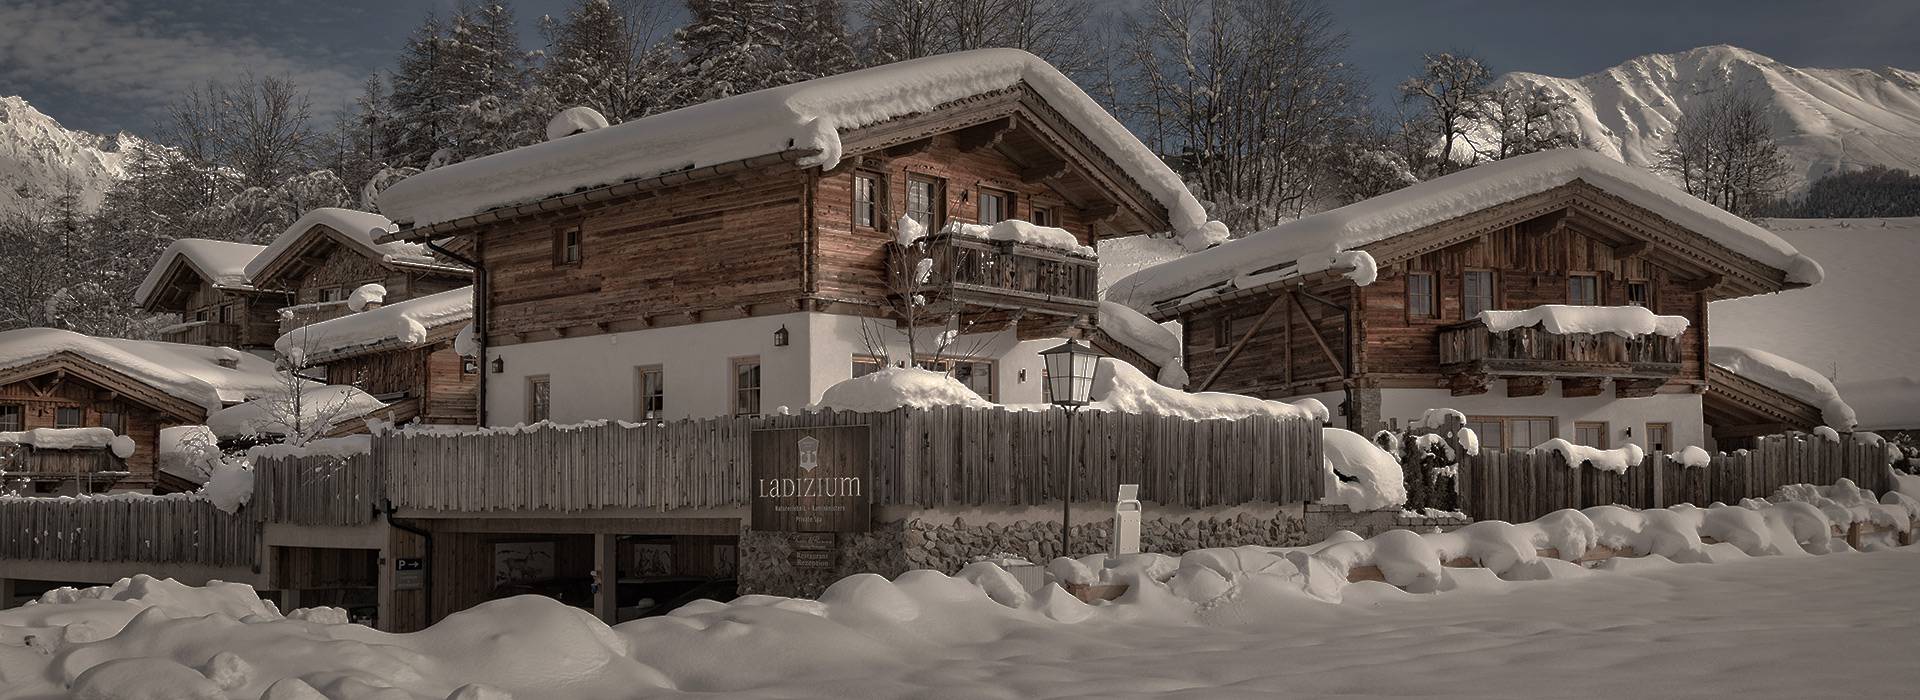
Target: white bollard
(1126,521)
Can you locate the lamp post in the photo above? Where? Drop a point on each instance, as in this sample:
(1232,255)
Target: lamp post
(1070,368)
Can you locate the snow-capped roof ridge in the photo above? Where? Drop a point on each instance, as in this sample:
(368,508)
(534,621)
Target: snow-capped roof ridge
(361,230)
(410,323)
(192,373)
(1787,377)
(1449,197)
(802,117)
(222,263)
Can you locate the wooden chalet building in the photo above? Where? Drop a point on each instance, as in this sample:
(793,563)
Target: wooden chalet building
(734,257)
(205,282)
(321,259)
(402,354)
(56,379)
(1376,308)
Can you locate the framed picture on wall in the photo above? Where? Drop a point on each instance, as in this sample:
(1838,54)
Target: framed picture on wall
(522,562)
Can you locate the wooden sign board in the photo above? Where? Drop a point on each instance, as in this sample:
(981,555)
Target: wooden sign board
(811,479)
(812,559)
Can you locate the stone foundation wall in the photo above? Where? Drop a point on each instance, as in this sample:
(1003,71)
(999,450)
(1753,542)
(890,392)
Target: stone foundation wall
(945,541)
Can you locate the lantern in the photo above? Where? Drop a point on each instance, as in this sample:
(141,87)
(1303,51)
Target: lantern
(1070,368)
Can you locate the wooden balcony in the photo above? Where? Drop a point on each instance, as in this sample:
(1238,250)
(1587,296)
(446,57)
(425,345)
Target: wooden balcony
(972,275)
(96,464)
(209,333)
(1471,353)
(308,314)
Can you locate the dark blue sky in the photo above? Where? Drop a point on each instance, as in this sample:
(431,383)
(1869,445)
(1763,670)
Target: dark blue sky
(105,65)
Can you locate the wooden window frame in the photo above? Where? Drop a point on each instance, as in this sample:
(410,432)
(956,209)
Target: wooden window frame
(1433,297)
(114,420)
(1009,204)
(1038,212)
(1494,302)
(1506,427)
(936,198)
(1665,427)
(640,391)
(1605,429)
(1225,334)
(733,385)
(560,246)
(80,421)
(1599,291)
(853,365)
(1648,284)
(946,365)
(878,199)
(18,412)
(533,380)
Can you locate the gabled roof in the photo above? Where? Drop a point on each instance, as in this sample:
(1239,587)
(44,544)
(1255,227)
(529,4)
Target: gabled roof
(355,230)
(222,264)
(803,123)
(189,373)
(1444,199)
(412,323)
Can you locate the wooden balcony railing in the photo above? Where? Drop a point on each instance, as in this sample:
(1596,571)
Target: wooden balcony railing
(309,314)
(209,333)
(29,462)
(969,271)
(1472,348)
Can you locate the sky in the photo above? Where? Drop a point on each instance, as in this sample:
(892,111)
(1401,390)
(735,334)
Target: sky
(110,65)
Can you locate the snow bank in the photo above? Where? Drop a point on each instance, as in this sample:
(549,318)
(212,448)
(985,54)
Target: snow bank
(1559,319)
(1787,377)
(1019,231)
(343,446)
(1156,342)
(1378,484)
(269,415)
(899,387)
(1618,459)
(1449,197)
(192,373)
(220,263)
(229,486)
(808,117)
(574,120)
(409,323)
(188,451)
(1845,503)
(360,229)
(1122,388)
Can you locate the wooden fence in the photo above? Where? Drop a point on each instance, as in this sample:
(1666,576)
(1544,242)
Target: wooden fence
(928,457)
(115,529)
(1519,485)
(317,489)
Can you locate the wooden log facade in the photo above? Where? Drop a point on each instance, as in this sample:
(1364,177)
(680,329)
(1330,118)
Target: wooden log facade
(87,395)
(175,529)
(1519,485)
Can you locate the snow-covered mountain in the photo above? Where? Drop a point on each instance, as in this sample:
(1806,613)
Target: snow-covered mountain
(38,154)
(1827,119)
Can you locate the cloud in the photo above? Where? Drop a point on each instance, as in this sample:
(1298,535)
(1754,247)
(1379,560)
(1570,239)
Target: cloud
(135,60)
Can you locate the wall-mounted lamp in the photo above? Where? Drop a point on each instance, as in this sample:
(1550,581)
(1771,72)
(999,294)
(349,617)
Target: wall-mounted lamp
(1023,375)
(780,337)
(499,365)
(1629,431)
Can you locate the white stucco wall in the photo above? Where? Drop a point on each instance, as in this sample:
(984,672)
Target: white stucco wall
(597,377)
(1682,411)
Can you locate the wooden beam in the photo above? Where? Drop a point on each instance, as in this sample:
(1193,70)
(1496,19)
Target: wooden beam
(1241,344)
(979,136)
(1711,280)
(1467,384)
(1100,212)
(1629,249)
(911,148)
(1043,171)
(1577,387)
(1526,386)
(1317,338)
(1636,388)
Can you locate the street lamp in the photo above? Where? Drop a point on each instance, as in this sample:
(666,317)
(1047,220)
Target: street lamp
(1070,368)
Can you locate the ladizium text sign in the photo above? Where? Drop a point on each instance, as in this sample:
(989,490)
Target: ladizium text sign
(811,479)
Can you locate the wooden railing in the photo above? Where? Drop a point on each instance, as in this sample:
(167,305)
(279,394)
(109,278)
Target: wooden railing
(1472,347)
(934,457)
(309,314)
(33,462)
(317,490)
(209,333)
(1002,274)
(167,529)
(1518,485)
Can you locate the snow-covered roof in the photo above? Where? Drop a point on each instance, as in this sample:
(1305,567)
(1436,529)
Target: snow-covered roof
(404,324)
(1787,377)
(1850,326)
(191,373)
(360,229)
(221,263)
(268,415)
(1314,238)
(802,117)
(71,439)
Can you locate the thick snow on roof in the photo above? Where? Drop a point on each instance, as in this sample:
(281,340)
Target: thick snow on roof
(360,228)
(222,263)
(1123,388)
(1156,342)
(899,387)
(1787,377)
(1450,197)
(803,116)
(71,439)
(268,415)
(1630,321)
(1124,256)
(1854,325)
(189,372)
(408,323)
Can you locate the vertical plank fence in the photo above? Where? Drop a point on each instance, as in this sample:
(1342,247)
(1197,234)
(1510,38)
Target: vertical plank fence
(175,529)
(317,489)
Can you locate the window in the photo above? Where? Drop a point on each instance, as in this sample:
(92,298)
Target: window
(864,365)
(68,417)
(653,393)
(566,246)
(226,313)
(995,206)
(1488,430)
(1043,216)
(326,294)
(923,202)
(1591,434)
(1520,432)
(866,200)
(1420,301)
(1226,331)
(539,399)
(1476,293)
(1657,437)
(978,376)
(1583,290)
(746,386)
(115,421)
(12,417)
(1640,293)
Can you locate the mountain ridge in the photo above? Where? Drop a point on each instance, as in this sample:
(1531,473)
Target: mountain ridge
(38,156)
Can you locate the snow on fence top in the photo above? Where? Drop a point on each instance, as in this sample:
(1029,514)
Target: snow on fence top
(1316,237)
(191,373)
(1787,377)
(802,117)
(408,323)
(360,228)
(1019,231)
(1560,319)
(222,263)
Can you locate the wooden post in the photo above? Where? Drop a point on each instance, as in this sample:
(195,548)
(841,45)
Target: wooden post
(606,562)
(7,592)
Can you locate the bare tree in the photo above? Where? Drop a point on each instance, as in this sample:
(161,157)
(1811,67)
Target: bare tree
(1451,95)
(1525,119)
(1724,152)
